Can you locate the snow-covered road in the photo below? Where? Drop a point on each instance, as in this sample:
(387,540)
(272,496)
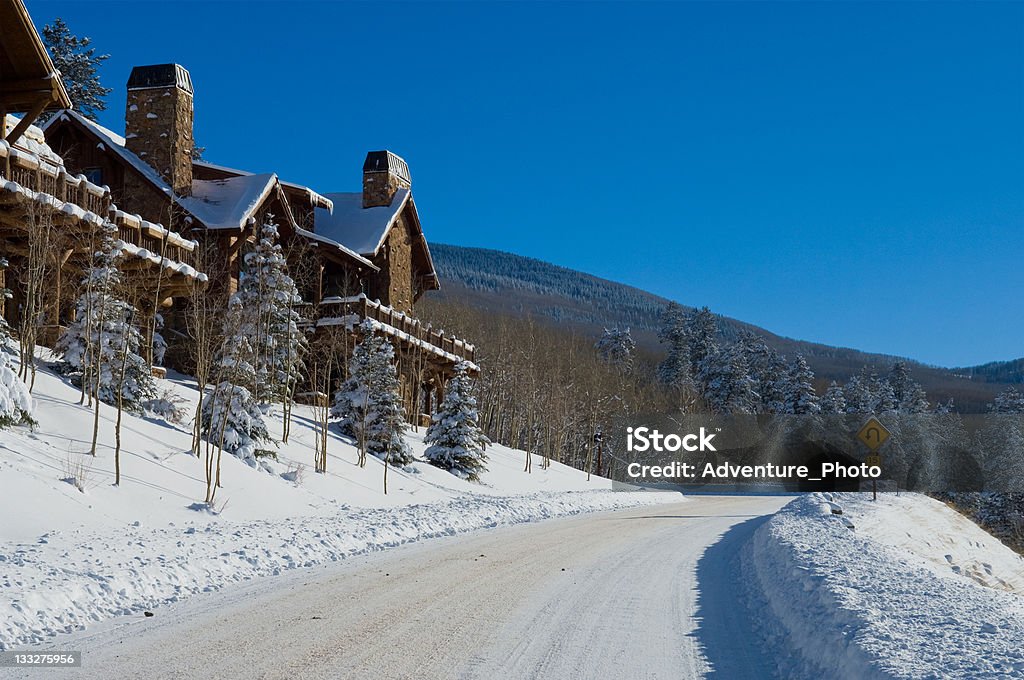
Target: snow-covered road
(650,592)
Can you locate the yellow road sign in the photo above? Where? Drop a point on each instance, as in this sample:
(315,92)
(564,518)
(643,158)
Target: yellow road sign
(874,460)
(873,434)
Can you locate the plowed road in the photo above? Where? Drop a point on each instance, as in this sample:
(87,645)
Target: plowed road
(646,593)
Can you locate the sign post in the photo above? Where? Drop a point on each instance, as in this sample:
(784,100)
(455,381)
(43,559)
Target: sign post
(873,434)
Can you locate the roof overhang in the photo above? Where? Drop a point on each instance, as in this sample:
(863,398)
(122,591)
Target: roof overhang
(28,80)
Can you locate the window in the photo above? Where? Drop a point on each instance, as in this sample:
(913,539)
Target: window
(94,175)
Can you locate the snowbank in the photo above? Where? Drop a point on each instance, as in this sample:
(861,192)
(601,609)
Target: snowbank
(75,549)
(876,601)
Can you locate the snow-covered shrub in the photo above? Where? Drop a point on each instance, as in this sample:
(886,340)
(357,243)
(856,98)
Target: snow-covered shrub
(456,442)
(15,400)
(368,405)
(233,421)
(168,406)
(159,343)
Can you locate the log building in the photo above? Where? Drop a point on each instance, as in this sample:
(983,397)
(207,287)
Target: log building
(366,250)
(50,213)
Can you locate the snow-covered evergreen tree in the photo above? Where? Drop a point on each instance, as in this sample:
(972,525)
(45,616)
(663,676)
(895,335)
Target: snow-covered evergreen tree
(834,401)
(769,371)
(1008,401)
(455,441)
(616,346)
(78,64)
(268,297)
(232,418)
(909,396)
(701,332)
(729,387)
(159,343)
(103,327)
(1002,443)
(368,404)
(15,401)
(675,370)
(800,398)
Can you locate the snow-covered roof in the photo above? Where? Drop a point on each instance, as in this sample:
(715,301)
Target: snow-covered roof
(360,229)
(228,203)
(32,140)
(334,244)
(218,204)
(115,143)
(316,199)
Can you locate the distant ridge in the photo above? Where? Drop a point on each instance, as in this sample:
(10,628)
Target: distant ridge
(504,283)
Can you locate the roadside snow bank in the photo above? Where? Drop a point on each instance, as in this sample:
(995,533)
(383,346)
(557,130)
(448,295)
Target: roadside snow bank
(65,581)
(853,606)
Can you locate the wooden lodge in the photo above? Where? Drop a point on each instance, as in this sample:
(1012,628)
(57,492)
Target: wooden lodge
(362,255)
(50,214)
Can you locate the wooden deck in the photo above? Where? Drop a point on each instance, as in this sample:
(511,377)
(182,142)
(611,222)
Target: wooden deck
(410,331)
(33,186)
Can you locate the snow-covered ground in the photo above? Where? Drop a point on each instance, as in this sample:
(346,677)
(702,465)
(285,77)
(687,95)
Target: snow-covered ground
(70,557)
(914,590)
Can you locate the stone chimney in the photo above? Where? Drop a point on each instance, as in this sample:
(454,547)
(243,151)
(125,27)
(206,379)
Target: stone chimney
(384,173)
(158,122)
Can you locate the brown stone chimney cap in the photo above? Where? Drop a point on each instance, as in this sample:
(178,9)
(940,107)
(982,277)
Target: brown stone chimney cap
(385,161)
(160,75)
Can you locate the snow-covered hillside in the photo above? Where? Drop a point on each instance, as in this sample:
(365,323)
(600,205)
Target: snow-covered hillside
(71,556)
(913,590)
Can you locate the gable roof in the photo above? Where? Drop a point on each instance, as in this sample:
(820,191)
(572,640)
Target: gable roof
(364,230)
(317,200)
(361,229)
(227,203)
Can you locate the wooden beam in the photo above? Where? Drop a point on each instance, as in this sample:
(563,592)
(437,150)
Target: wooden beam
(30,117)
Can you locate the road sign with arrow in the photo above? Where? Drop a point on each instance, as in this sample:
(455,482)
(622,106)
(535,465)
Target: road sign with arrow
(873,434)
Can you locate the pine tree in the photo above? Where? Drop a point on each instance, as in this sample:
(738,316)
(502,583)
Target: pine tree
(834,401)
(268,297)
(368,404)
(231,419)
(769,371)
(701,331)
(800,398)
(909,396)
(729,387)
(159,343)
(456,442)
(96,340)
(675,371)
(616,346)
(78,64)
(1008,401)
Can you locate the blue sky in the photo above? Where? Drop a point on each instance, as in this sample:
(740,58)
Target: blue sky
(848,173)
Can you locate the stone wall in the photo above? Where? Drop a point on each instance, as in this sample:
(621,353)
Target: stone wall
(394,284)
(158,129)
(380,187)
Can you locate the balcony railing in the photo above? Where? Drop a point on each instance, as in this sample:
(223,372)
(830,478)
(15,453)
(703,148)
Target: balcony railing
(351,311)
(28,178)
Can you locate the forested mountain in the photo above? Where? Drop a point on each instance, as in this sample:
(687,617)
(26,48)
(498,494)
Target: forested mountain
(513,285)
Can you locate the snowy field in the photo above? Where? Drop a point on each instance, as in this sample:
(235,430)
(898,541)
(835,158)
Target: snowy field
(70,557)
(913,591)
